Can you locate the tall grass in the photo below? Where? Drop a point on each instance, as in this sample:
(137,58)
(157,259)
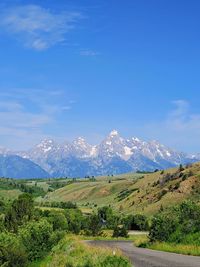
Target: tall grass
(176,248)
(71,252)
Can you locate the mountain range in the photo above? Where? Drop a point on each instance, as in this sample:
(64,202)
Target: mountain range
(114,155)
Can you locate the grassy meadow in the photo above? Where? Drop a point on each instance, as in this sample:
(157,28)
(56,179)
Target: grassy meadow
(140,193)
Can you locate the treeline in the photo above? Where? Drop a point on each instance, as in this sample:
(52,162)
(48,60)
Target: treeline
(34,190)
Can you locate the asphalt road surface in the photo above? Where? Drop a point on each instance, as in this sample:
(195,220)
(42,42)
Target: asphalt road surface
(149,258)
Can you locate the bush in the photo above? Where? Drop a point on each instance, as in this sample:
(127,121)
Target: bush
(136,222)
(58,220)
(19,213)
(120,231)
(162,227)
(179,225)
(12,252)
(37,238)
(107,217)
(94,225)
(75,220)
(115,261)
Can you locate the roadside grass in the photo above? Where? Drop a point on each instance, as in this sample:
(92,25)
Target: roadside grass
(176,248)
(72,252)
(143,241)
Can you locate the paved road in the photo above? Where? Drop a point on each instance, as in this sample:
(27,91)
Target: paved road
(149,258)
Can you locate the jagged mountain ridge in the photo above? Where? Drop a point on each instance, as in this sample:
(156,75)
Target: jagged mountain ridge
(114,155)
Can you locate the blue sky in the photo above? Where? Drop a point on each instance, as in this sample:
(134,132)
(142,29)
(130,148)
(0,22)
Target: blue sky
(82,68)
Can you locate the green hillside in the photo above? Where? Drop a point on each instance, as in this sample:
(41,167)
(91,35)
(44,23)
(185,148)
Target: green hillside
(145,193)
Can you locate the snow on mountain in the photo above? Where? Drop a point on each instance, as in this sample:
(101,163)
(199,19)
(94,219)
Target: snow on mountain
(82,149)
(113,155)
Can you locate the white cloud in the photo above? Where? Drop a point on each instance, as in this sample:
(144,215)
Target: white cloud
(180,128)
(38,28)
(88,53)
(26,115)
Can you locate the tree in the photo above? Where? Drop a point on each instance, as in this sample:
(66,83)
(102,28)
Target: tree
(163,225)
(75,220)
(107,217)
(94,225)
(136,222)
(37,238)
(120,231)
(58,220)
(181,168)
(21,211)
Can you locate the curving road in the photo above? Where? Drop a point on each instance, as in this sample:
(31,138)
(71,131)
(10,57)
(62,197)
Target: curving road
(149,258)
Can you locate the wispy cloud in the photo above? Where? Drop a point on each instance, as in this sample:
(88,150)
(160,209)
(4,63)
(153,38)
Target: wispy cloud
(179,129)
(38,28)
(26,115)
(89,53)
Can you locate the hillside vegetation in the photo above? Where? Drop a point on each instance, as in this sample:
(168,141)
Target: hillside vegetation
(144,193)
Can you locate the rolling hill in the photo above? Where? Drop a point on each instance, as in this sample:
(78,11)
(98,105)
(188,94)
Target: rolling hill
(145,193)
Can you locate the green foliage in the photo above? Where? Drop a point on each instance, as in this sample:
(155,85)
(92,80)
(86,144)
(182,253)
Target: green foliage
(120,231)
(107,217)
(178,225)
(163,226)
(75,220)
(19,213)
(113,261)
(12,252)
(62,205)
(58,220)
(72,253)
(136,222)
(125,193)
(181,168)
(37,238)
(94,225)
(9,184)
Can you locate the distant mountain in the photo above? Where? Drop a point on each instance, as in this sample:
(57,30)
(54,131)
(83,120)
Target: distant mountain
(114,155)
(13,166)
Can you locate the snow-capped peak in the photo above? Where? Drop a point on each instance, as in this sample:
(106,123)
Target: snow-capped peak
(80,141)
(113,133)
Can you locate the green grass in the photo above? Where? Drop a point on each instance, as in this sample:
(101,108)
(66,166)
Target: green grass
(9,195)
(176,248)
(133,192)
(72,252)
(41,263)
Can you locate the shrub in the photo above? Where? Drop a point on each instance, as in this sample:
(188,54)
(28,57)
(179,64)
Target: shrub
(162,227)
(37,238)
(58,220)
(20,212)
(179,225)
(94,225)
(136,222)
(120,231)
(75,220)
(107,217)
(12,252)
(115,261)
